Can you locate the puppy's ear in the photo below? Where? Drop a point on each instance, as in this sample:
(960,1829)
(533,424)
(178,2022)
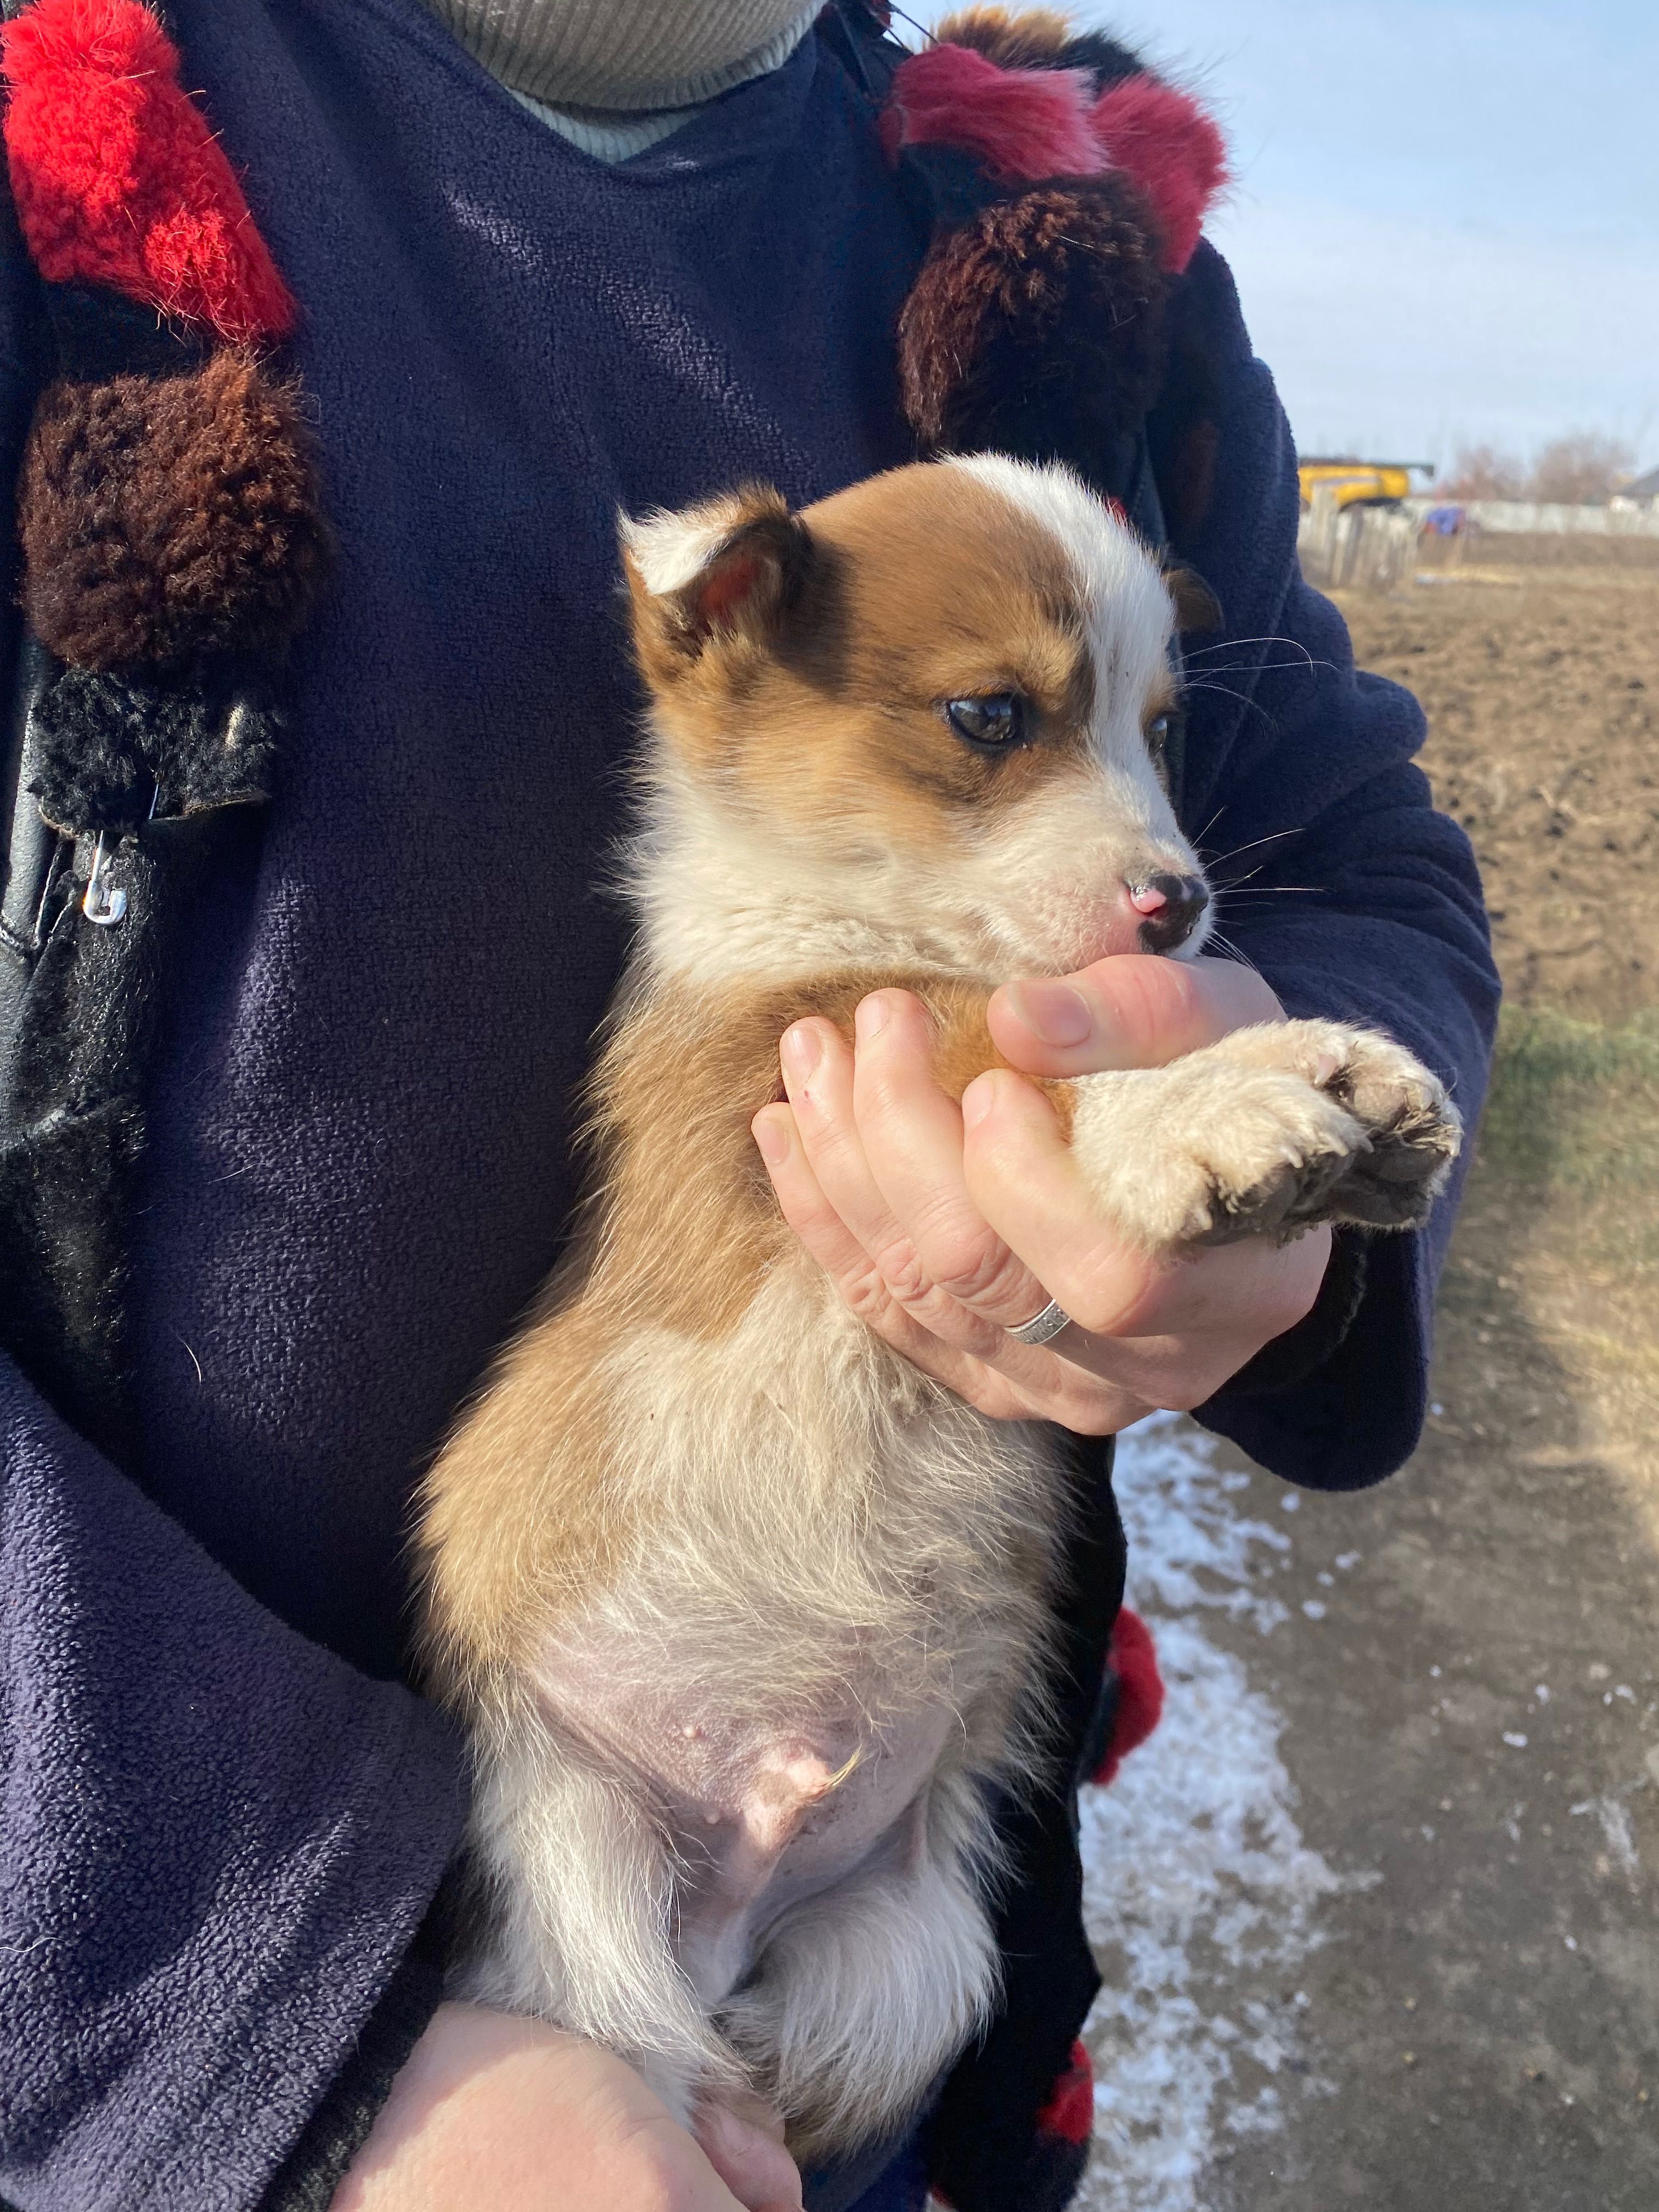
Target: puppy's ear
(728,569)
(1196,605)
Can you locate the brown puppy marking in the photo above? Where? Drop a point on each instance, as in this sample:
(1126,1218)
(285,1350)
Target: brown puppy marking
(821,643)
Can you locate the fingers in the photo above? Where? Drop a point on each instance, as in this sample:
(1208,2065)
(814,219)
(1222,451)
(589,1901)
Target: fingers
(912,1139)
(808,1212)
(848,1265)
(884,1146)
(942,1227)
(818,1075)
(971,1353)
(1133,1010)
(1169,1332)
(1021,1174)
(1013,1382)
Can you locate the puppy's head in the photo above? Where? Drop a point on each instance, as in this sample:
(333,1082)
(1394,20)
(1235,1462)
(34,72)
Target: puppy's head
(937,701)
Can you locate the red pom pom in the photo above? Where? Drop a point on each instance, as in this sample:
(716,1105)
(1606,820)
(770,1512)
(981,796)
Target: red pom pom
(1021,123)
(1164,141)
(1070,2111)
(1133,1660)
(118,180)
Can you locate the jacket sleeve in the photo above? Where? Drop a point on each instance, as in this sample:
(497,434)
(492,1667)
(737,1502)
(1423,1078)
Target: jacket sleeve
(1343,885)
(217,1842)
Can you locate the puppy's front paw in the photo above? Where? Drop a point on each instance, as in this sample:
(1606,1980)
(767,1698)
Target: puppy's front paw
(1412,1131)
(1206,1151)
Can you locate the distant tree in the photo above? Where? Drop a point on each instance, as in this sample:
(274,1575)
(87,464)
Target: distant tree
(1484,472)
(1585,468)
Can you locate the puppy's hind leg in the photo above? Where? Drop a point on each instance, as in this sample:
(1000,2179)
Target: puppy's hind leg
(582,1886)
(863,1994)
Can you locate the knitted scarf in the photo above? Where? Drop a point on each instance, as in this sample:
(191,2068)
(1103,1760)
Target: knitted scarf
(627,54)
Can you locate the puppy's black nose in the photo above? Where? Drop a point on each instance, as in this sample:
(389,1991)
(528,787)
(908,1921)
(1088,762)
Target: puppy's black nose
(1180,901)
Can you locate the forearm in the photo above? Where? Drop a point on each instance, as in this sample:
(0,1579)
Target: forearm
(218,1841)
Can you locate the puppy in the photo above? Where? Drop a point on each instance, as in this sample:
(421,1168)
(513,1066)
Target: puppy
(746,1615)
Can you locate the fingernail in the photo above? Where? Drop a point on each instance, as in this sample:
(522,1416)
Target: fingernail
(870,1018)
(978,1101)
(1052,1012)
(773,1139)
(803,1049)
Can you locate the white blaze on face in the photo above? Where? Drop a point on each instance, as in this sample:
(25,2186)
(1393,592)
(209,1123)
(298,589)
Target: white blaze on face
(1054,864)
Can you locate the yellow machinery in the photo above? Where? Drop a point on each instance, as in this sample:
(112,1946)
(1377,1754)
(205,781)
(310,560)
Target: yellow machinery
(1362,483)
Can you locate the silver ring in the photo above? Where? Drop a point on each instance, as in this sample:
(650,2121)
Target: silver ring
(1043,1328)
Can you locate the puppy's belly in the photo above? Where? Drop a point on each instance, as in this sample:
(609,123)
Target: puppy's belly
(758,1817)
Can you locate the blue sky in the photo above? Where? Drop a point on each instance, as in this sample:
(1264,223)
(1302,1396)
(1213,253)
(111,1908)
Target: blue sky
(1445,225)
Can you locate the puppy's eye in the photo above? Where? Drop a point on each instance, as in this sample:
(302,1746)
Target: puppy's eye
(995,722)
(1159,732)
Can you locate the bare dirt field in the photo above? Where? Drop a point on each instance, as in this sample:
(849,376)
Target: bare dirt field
(1380,1913)
(1542,687)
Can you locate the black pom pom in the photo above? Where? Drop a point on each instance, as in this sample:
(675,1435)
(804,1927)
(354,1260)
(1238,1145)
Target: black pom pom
(108,752)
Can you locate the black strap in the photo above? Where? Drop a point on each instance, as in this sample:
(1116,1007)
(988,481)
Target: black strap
(31,854)
(857,33)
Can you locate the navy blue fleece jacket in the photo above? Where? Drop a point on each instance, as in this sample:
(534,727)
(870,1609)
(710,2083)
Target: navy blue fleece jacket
(223,1812)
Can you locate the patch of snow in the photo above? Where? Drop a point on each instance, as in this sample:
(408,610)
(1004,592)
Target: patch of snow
(1200,1896)
(1313,1608)
(1515,1740)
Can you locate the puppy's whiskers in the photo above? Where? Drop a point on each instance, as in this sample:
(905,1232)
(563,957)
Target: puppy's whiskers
(1224,691)
(1233,644)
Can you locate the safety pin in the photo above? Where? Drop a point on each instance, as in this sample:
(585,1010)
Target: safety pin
(103,903)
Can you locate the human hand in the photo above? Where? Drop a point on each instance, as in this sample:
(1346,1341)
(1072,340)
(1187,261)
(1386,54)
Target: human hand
(944,1226)
(493,2113)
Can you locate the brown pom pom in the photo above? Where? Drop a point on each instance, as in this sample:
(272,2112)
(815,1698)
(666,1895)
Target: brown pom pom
(1031,40)
(1038,38)
(163,518)
(1037,328)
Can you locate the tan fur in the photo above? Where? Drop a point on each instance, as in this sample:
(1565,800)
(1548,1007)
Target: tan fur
(1026,40)
(859,687)
(682,1231)
(746,1616)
